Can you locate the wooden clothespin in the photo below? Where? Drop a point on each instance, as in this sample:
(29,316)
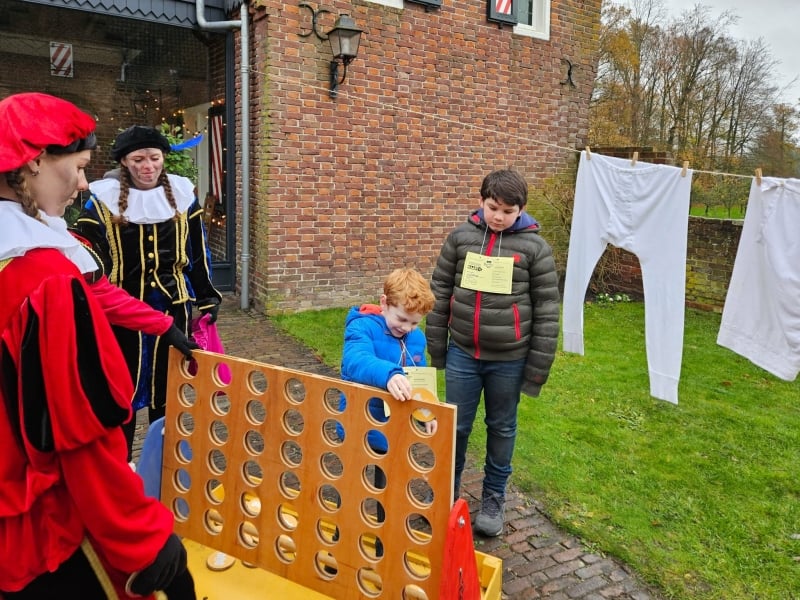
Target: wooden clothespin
(588,153)
(685,168)
(758,175)
(634,159)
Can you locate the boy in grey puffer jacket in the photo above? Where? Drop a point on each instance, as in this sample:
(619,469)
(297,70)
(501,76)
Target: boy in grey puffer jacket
(494,327)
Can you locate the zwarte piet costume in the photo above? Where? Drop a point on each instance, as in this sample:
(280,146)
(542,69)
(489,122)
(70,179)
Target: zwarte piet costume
(155,251)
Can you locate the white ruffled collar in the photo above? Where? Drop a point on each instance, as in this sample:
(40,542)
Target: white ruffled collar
(21,233)
(146,207)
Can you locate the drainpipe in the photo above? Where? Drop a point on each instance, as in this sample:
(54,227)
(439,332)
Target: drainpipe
(241,24)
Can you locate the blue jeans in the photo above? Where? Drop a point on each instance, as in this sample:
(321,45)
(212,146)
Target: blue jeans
(501,383)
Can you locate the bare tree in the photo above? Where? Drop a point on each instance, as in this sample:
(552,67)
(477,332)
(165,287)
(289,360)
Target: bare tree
(753,100)
(686,86)
(775,150)
(630,43)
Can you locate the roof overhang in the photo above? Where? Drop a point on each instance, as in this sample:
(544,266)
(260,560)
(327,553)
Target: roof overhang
(180,13)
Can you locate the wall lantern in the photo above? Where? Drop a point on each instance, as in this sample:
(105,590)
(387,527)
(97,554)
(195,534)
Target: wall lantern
(344,38)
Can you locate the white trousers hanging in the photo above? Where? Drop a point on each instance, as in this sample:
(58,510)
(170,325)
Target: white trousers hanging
(761,317)
(644,209)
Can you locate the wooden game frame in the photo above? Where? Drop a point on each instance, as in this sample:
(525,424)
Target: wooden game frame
(254,465)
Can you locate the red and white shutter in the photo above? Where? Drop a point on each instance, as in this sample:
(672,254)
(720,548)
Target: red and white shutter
(502,7)
(216,156)
(61,60)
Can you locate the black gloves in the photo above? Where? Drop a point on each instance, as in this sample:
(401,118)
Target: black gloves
(209,307)
(175,337)
(170,562)
(182,587)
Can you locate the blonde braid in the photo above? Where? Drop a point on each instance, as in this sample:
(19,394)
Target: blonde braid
(124,190)
(163,180)
(16,181)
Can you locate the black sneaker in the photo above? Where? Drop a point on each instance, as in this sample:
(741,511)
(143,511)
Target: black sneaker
(491,518)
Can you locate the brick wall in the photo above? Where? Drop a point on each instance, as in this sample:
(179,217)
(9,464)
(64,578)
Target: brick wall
(711,252)
(345,190)
(710,255)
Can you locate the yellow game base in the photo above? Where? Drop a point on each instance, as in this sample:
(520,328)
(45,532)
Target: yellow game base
(244,583)
(240,582)
(490,575)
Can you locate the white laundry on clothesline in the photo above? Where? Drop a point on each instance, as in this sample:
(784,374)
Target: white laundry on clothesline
(642,208)
(761,316)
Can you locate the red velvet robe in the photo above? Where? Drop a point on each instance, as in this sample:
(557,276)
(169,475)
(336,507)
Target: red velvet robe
(123,310)
(64,391)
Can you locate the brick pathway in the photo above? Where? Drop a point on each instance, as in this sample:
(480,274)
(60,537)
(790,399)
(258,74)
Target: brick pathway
(539,560)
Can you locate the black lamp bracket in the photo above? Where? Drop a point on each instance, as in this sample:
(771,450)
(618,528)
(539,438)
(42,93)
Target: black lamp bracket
(335,81)
(315,14)
(570,68)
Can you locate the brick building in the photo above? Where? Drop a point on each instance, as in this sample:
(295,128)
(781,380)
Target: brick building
(315,198)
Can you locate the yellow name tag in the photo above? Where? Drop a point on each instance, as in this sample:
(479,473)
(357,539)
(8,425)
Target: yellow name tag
(422,377)
(423,382)
(488,273)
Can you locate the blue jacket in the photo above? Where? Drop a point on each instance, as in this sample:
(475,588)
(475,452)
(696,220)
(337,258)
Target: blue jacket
(372,356)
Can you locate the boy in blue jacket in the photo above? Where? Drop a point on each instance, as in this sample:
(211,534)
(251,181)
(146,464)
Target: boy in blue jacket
(379,341)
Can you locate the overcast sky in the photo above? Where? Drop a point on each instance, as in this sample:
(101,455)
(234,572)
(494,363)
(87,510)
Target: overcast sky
(777,22)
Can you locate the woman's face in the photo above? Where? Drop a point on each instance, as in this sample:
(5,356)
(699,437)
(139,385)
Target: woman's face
(145,167)
(60,178)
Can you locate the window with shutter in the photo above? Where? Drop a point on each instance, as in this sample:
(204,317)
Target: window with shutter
(501,11)
(533,18)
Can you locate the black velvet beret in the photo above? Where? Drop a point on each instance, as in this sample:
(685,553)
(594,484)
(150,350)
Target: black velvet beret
(136,138)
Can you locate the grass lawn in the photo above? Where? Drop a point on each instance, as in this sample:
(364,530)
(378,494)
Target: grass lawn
(716,212)
(702,499)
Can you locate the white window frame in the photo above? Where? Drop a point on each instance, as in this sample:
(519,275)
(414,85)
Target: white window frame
(540,28)
(392,3)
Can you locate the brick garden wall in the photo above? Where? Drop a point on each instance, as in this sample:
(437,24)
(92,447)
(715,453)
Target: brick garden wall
(345,190)
(711,252)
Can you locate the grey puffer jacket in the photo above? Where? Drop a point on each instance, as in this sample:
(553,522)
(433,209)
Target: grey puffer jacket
(492,326)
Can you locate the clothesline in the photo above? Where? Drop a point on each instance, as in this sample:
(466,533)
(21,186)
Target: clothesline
(410,111)
(686,166)
(725,174)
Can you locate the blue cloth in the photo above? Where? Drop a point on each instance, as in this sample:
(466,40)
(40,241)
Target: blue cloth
(372,356)
(151,460)
(141,397)
(501,383)
(149,465)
